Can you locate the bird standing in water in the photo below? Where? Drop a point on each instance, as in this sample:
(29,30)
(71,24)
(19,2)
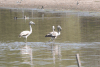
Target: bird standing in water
(25,34)
(54,34)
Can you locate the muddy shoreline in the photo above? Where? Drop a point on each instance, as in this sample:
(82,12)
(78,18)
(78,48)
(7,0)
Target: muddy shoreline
(86,5)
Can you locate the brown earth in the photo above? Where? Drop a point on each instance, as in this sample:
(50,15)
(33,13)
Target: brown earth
(85,5)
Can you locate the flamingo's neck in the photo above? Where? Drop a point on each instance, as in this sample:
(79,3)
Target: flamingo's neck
(53,28)
(30,29)
(58,32)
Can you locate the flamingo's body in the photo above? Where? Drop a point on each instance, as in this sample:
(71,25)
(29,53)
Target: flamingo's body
(25,34)
(54,34)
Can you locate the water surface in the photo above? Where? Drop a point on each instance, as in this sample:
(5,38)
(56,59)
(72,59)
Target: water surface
(80,35)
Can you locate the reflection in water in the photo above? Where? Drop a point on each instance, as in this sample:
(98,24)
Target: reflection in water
(56,51)
(26,53)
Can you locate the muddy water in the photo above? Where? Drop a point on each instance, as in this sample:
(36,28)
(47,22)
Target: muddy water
(80,34)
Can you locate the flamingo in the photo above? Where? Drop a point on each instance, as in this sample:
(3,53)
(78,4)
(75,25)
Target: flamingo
(25,34)
(54,34)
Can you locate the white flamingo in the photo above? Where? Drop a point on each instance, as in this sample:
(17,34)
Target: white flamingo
(54,34)
(25,34)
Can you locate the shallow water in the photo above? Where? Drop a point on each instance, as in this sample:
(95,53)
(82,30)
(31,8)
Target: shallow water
(80,35)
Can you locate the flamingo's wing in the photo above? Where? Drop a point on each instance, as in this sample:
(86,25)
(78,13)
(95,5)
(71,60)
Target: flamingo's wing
(24,33)
(51,34)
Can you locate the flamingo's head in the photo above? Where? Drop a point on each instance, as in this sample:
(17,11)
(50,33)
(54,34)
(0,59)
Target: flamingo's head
(31,22)
(53,27)
(59,27)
